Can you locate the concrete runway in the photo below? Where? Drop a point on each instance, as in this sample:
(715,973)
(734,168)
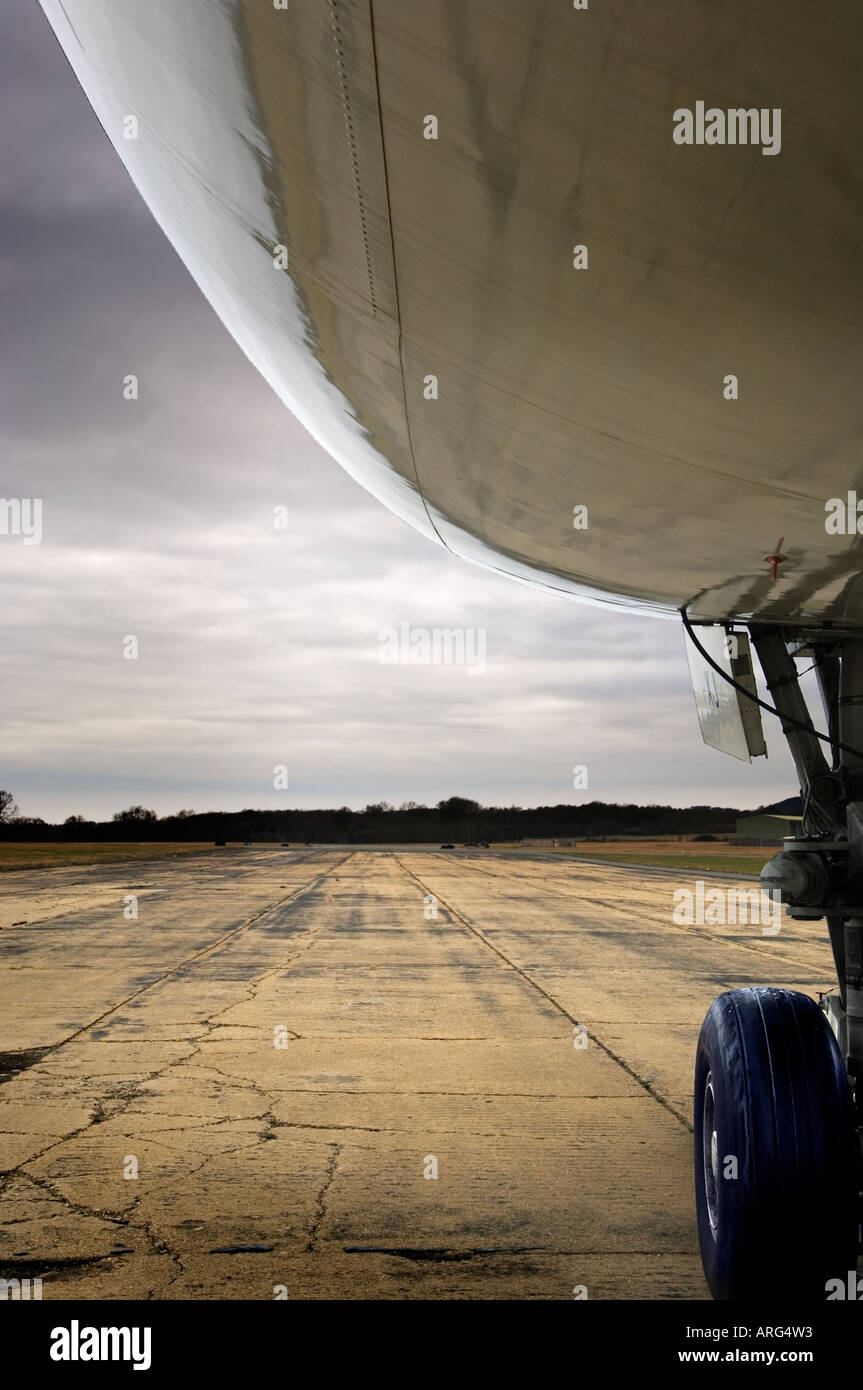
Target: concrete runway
(149,1046)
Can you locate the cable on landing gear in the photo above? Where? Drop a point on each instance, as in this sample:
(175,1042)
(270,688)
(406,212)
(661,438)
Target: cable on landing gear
(771,709)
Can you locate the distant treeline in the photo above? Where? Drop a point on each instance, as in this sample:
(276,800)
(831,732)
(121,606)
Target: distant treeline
(457,819)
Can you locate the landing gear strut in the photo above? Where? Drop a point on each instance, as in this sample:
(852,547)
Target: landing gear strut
(778,1104)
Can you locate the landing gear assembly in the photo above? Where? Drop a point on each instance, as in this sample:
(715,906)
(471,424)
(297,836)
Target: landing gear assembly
(778,1101)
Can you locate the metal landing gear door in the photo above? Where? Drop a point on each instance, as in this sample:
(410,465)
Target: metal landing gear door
(728,720)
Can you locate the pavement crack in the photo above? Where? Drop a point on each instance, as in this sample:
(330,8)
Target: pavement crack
(321,1203)
(555,1003)
(212,949)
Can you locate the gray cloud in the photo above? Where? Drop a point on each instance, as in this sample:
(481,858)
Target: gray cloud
(257,647)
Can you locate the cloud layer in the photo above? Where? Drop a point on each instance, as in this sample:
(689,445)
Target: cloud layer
(256,646)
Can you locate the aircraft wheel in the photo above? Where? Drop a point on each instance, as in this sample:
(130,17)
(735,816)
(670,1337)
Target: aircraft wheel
(776,1153)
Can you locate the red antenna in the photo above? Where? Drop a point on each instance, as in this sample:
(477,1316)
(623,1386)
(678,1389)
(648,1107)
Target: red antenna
(774,560)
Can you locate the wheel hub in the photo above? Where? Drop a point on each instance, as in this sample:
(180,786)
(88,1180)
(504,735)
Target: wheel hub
(710,1149)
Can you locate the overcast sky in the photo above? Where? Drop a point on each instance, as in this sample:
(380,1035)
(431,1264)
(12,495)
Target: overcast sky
(257,647)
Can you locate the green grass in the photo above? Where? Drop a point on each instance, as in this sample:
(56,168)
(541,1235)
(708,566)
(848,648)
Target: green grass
(34,855)
(60,856)
(742,863)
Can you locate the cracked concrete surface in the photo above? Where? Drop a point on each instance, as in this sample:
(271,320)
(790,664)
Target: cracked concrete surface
(271,1055)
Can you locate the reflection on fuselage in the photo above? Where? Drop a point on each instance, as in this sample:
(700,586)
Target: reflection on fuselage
(540,301)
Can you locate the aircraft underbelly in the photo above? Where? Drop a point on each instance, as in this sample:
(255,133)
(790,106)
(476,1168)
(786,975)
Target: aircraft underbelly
(414,300)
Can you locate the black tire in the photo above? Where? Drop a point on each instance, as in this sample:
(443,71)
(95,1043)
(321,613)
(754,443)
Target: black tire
(769,1067)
